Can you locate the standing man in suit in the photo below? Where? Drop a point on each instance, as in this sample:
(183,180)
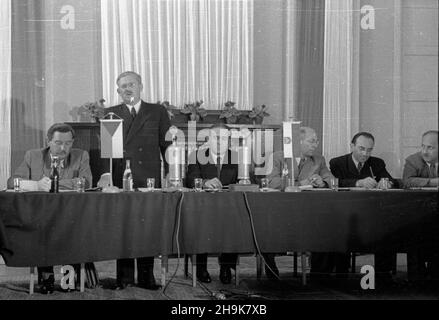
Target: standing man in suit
(144,130)
(311,170)
(421,170)
(35,171)
(360,169)
(217,167)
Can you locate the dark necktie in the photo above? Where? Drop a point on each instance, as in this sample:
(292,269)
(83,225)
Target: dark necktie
(301,164)
(218,167)
(359,167)
(133,112)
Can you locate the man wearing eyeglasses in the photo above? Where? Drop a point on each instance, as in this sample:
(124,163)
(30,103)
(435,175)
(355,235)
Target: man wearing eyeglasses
(310,169)
(36,166)
(144,130)
(35,171)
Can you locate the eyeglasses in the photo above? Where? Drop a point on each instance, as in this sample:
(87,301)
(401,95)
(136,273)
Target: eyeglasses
(128,85)
(313,141)
(61,143)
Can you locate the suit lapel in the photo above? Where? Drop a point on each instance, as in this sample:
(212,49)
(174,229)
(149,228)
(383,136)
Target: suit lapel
(307,169)
(47,162)
(138,122)
(351,166)
(123,112)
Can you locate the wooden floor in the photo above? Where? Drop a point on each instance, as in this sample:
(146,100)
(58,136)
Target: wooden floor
(14,284)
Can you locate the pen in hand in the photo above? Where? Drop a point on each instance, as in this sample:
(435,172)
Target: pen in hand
(371,172)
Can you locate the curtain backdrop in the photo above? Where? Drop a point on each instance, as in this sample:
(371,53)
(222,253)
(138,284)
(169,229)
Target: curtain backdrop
(310,67)
(184,50)
(341,98)
(5,92)
(28,123)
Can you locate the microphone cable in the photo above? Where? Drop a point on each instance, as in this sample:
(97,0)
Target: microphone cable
(177,233)
(255,240)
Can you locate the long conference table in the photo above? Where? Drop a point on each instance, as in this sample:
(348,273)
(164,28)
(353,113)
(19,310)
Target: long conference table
(41,229)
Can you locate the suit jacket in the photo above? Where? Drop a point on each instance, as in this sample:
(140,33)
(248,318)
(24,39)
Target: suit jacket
(416,171)
(36,165)
(313,165)
(143,141)
(345,170)
(228,174)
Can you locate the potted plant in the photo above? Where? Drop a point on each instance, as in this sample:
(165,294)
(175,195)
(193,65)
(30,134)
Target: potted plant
(94,110)
(230,114)
(194,111)
(258,113)
(169,107)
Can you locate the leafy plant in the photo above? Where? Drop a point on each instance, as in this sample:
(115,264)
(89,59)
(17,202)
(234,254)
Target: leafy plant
(169,107)
(230,113)
(259,111)
(194,110)
(95,109)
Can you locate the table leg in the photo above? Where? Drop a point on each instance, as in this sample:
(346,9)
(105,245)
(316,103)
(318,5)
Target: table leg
(303,260)
(164,269)
(32,279)
(82,277)
(194,270)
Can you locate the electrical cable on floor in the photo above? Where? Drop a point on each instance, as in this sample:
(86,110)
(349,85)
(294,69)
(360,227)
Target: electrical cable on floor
(256,241)
(254,236)
(178,246)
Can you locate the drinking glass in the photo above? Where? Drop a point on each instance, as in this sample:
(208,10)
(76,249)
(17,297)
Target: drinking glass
(385,183)
(79,184)
(264,184)
(334,183)
(17,182)
(198,184)
(150,184)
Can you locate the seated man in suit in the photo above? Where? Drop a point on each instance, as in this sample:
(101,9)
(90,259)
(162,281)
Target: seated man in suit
(35,171)
(219,169)
(360,169)
(311,170)
(420,170)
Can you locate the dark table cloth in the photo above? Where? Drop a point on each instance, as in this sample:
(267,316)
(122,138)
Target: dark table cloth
(53,229)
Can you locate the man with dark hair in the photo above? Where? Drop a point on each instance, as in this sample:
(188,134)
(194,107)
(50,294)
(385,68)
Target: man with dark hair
(421,170)
(360,169)
(218,167)
(35,172)
(144,131)
(35,169)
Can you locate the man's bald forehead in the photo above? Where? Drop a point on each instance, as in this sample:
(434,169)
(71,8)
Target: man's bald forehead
(306,132)
(430,134)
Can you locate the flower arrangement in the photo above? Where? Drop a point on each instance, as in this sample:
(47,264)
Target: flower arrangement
(258,113)
(230,113)
(94,109)
(194,110)
(169,107)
